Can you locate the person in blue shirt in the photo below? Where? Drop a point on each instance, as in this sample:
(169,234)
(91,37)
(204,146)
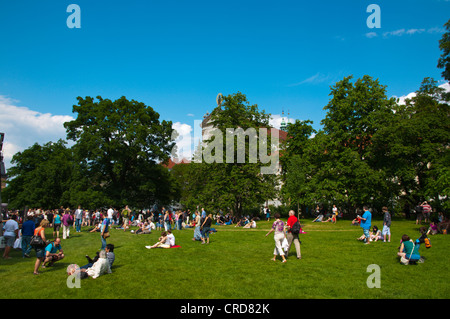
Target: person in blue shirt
(27,232)
(104,232)
(366,223)
(53,253)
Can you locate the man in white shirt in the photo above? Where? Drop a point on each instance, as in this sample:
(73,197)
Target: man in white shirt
(110,215)
(78,218)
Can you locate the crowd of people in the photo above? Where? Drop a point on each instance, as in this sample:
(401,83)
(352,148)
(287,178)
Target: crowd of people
(23,229)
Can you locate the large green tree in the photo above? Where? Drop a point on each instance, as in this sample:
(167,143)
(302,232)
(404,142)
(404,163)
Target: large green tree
(216,182)
(413,147)
(336,167)
(121,144)
(40,176)
(444,60)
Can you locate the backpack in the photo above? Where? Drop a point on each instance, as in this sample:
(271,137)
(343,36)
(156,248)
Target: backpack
(295,230)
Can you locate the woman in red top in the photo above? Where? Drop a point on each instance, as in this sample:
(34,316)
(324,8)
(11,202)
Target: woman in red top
(40,251)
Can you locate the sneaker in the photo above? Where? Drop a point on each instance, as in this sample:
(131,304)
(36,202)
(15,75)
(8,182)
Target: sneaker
(148,247)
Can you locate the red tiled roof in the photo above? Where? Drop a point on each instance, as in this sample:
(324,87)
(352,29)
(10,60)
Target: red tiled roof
(171,163)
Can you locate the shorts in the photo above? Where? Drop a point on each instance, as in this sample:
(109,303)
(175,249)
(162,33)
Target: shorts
(40,252)
(386,230)
(205,232)
(56,227)
(10,240)
(366,233)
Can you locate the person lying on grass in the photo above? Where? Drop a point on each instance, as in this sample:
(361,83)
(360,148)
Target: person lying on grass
(166,240)
(100,267)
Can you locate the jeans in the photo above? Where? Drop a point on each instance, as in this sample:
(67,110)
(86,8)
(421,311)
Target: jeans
(103,243)
(26,247)
(78,224)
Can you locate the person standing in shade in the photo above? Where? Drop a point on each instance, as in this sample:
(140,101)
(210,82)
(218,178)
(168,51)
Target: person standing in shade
(278,228)
(366,223)
(426,211)
(292,235)
(27,232)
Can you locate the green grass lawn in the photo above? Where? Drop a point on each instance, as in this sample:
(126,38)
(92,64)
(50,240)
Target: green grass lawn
(236,265)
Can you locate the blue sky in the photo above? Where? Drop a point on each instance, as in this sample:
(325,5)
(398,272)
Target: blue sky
(176,56)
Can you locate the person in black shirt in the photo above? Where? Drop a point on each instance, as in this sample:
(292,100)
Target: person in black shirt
(205,228)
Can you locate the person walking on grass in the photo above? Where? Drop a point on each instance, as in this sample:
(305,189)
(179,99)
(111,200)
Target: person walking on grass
(292,233)
(78,219)
(279,236)
(66,220)
(104,232)
(40,250)
(57,222)
(366,223)
(205,228)
(28,228)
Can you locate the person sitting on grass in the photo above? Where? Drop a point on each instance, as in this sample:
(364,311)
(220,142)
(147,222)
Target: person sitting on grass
(252,224)
(166,240)
(356,221)
(375,234)
(144,228)
(433,229)
(409,250)
(96,228)
(331,219)
(53,253)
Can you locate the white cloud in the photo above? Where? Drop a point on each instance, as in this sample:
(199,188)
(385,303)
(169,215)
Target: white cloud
(24,127)
(402,32)
(413,31)
(395,33)
(402,99)
(184,141)
(371,35)
(317,78)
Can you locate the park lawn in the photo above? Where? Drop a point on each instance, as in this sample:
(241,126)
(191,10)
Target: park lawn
(236,265)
